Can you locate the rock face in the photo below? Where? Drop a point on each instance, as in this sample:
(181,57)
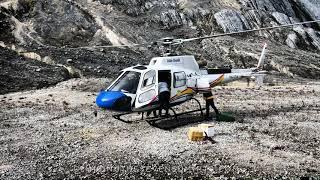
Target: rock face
(310,8)
(80,23)
(231,21)
(62,23)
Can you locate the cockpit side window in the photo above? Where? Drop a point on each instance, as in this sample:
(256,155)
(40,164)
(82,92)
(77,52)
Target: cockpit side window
(180,79)
(127,83)
(110,82)
(149,79)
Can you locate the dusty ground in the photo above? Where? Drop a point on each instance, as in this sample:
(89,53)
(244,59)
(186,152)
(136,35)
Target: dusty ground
(53,133)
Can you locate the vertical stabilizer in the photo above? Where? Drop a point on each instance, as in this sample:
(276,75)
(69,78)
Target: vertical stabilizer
(262,57)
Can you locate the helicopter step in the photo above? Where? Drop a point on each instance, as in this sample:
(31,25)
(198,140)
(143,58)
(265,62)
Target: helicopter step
(172,115)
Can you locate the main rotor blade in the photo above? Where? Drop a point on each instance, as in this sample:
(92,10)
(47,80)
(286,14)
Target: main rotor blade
(179,41)
(248,31)
(110,46)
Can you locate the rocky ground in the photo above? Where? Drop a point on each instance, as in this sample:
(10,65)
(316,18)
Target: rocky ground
(47,125)
(52,133)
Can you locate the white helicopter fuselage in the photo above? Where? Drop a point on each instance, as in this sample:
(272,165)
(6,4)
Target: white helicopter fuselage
(183,76)
(136,88)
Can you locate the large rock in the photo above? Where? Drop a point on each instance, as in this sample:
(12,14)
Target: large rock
(169,19)
(137,7)
(310,7)
(282,6)
(61,22)
(5,27)
(292,40)
(231,21)
(308,38)
(315,37)
(281,18)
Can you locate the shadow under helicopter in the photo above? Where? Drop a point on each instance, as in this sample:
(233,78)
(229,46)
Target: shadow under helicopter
(176,119)
(183,120)
(169,124)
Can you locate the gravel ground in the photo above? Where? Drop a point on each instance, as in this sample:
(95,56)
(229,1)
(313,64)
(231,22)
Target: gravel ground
(53,134)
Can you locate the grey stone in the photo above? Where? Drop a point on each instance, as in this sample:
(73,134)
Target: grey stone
(314,36)
(291,40)
(282,6)
(310,7)
(309,36)
(281,18)
(231,20)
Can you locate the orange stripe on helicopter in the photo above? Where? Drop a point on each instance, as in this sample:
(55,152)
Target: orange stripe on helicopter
(187,91)
(217,81)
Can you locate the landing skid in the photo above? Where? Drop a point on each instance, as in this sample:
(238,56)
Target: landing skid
(118,117)
(172,115)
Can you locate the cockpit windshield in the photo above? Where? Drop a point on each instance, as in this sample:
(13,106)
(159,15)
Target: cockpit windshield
(127,83)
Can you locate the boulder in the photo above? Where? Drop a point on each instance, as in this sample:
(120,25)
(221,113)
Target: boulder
(310,7)
(60,22)
(282,6)
(170,19)
(292,40)
(281,18)
(315,37)
(309,36)
(231,20)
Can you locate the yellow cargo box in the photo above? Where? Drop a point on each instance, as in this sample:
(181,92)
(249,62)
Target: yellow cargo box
(195,134)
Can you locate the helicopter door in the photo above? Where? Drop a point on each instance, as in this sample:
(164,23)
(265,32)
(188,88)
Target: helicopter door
(148,90)
(179,85)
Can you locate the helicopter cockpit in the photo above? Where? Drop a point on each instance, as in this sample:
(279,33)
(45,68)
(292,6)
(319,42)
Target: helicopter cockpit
(134,87)
(127,83)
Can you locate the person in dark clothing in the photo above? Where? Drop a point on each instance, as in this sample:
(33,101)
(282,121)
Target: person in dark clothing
(164,100)
(154,113)
(164,97)
(210,102)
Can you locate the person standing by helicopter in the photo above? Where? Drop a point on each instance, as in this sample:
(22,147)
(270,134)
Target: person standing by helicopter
(210,102)
(164,97)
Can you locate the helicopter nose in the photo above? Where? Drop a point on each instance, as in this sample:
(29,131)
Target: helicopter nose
(114,100)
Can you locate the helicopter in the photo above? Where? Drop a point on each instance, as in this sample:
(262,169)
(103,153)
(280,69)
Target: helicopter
(135,90)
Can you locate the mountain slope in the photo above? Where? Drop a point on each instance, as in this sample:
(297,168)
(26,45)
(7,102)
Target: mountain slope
(47,28)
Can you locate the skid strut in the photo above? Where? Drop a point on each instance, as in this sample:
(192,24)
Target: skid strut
(173,115)
(118,117)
